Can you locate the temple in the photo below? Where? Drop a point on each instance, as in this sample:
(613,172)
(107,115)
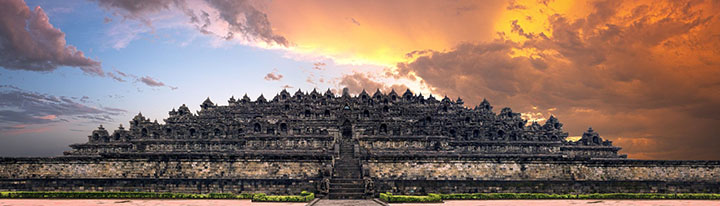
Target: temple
(379,125)
(350,146)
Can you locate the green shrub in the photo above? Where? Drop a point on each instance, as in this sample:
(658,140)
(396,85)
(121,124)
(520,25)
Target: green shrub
(384,197)
(430,198)
(244,196)
(303,197)
(221,196)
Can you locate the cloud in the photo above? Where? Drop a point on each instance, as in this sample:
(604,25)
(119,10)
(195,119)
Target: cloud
(641,73)
(273,76)
(354,21)
(318,65)
(19,109)
(514,5)
(29,42)
(150,81)
(136,9)
(245,19)
(227,19)
(322,29)
(375,33)
(115,77)
(147,80)
(356,82)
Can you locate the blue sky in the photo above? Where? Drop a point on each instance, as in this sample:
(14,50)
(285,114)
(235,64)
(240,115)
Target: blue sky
(177,56)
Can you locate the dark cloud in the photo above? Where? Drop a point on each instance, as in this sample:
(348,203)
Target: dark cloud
(22,118)
(19,107)
(147,80)
(513,5)
(150,81)
(136,9)
(115,77)
(241,16)
(273,76)
(318,65)
(356,82)
(244,18)
(121,73)
(354,21)
(29,42)
(650,84)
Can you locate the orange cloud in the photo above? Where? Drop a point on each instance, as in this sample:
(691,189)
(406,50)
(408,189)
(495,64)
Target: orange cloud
(26,131)
(47,117)
(381,32)
(642,72)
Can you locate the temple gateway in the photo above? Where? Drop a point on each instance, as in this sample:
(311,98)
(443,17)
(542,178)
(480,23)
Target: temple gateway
(345,146)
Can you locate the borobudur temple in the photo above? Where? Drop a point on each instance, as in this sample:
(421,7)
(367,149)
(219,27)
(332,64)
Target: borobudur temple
(350,146)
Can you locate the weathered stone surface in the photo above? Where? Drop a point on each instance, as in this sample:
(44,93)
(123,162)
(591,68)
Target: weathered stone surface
(138,168)
(588,170)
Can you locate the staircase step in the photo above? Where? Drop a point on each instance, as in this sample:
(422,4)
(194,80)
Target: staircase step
(346,176)
(347,190)
(353,195)
(347,168)
(348,180)
(338,188)
(346,184)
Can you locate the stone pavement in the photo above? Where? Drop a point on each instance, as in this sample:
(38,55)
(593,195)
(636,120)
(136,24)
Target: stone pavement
(327,202)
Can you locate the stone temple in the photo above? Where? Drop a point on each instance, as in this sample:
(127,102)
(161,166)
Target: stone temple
(345,146)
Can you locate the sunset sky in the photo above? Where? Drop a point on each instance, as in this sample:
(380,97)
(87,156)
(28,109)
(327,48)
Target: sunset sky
(644,74)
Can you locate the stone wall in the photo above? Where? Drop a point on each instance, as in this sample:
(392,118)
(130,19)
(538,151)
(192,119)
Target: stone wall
(18,168)
(210,185)
(551,176)
(397,175)
(591,151)
(168,175)
(297,142)
(421,187)
(588,170)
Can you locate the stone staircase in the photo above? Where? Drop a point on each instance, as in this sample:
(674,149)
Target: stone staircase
(346,182)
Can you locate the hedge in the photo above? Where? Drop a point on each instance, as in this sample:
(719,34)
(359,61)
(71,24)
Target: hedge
(304,196)
(390,198)
(124,195)
(430,198)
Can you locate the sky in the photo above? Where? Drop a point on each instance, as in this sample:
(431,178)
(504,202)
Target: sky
(644,74)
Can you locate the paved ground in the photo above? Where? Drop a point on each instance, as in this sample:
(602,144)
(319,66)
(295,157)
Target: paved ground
(134,202)
(570,202)
(326,202)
